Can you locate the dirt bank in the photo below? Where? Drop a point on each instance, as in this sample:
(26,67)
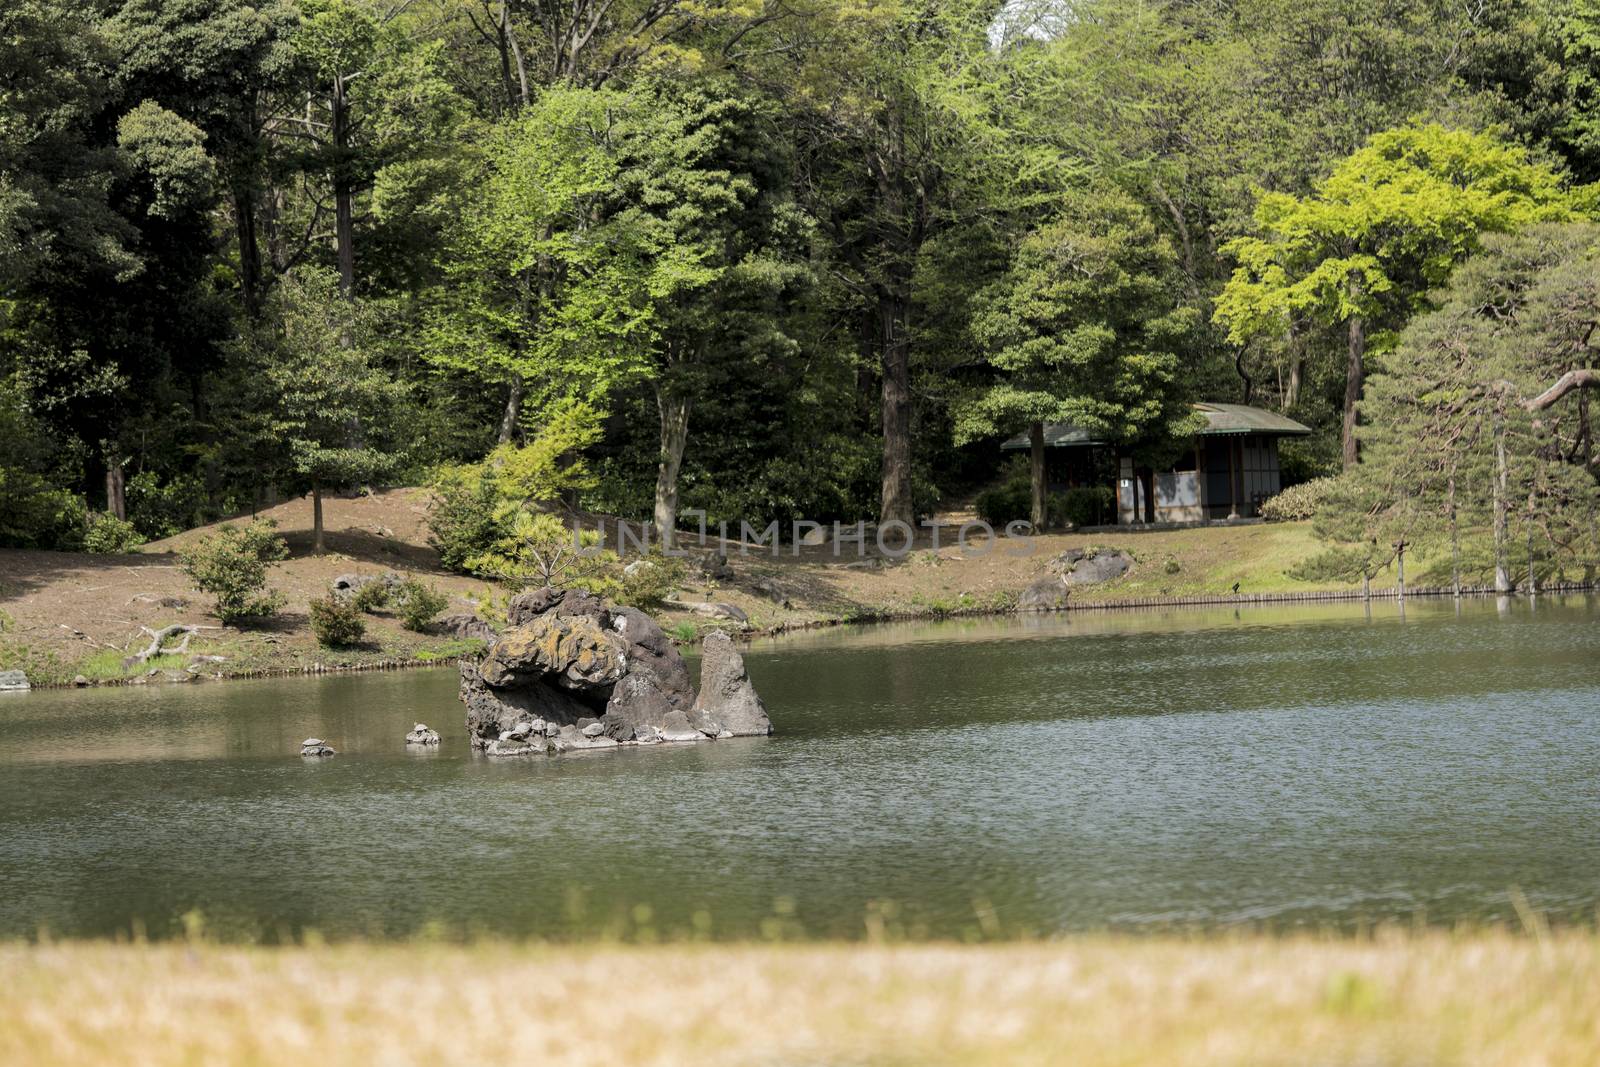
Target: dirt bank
(77,612)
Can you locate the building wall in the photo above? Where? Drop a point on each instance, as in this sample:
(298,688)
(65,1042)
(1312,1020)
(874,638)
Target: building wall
(1246,466)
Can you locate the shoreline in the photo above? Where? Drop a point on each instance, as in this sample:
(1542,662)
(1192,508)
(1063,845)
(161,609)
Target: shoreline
(746,636)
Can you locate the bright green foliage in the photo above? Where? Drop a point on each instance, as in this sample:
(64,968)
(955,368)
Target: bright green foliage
(538,550)
(1298,502)
(551,463)
(419,604)
(110,535)
(1396,217)
(232,564)
(371,596)
(169,152)
(337,622)
(461,516)
(647,582)
(537,288)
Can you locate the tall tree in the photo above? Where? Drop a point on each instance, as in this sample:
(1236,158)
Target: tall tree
(1385,228)
(321,404)
(1084,328)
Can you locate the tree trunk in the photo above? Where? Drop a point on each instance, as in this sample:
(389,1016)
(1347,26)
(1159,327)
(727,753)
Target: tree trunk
(116,497)
(1037,514)
(1297,363)
(343,194)
(244,217)
(895,351)
(316,519)
(1533,585)
(1354,370)
(508,421)
(1502,574)
(674,437)
(1455,539)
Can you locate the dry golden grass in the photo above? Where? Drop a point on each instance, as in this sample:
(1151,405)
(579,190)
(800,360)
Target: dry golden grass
(1433,998)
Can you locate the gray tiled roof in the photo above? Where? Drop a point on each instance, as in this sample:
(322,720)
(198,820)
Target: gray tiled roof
(1222,420)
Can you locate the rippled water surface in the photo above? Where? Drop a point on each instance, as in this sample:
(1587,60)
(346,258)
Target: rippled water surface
(1317,766)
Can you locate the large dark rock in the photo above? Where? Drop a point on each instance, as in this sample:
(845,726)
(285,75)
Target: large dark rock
(651,651)
(529,605)
(1104,565)
(465,624)
(573,673)
(1044,594)
(571,652)
(492,712)
(727,702)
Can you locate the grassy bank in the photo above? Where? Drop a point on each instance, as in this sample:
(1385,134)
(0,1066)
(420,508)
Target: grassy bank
(64,614)
(1432,998)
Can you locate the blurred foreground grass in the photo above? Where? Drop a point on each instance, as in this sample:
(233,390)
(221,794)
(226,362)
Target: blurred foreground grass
(1423,998)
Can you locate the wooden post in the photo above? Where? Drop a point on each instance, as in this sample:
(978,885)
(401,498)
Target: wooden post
(1233,484)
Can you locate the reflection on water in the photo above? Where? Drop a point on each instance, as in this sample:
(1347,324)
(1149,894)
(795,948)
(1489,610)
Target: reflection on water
(1317,764)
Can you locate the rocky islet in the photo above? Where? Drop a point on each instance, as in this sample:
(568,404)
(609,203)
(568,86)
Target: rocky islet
(573,673)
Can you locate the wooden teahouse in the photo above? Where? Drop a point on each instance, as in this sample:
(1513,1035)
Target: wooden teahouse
(1230,469)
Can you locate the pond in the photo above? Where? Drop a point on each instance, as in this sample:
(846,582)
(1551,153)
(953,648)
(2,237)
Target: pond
(1317,766)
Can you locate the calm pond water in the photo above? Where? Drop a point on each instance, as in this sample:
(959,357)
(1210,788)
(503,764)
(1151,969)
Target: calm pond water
(1283,766)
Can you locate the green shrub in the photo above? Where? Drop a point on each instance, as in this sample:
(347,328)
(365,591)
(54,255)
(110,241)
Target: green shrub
(537,549)
(336,622)
(371,596)
(419,604)
(1086,505)
(160,509)
(1012,501)
(34,513)
(232,563)
(462,520)
(1298,501)
(647,581)
(108,535)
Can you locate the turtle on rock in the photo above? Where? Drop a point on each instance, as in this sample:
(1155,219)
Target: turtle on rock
(315,746)
(421,735)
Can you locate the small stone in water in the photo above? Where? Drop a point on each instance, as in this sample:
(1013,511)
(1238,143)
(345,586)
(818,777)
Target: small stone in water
(594,729)
(310,741)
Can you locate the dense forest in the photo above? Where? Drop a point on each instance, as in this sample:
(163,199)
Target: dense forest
(777,259)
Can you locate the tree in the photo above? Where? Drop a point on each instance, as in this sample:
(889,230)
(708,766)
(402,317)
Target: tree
(222,66)
(1083,328)
(880,121)
(1470,428)
(1385,228)
(323,402)
(537,289)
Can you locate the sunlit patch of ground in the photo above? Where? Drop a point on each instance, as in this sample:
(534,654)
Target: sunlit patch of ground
(1432,998)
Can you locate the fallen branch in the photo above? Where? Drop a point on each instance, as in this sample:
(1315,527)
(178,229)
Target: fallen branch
(159,637)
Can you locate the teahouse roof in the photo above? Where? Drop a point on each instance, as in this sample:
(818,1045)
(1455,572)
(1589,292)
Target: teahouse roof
(1222,420)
